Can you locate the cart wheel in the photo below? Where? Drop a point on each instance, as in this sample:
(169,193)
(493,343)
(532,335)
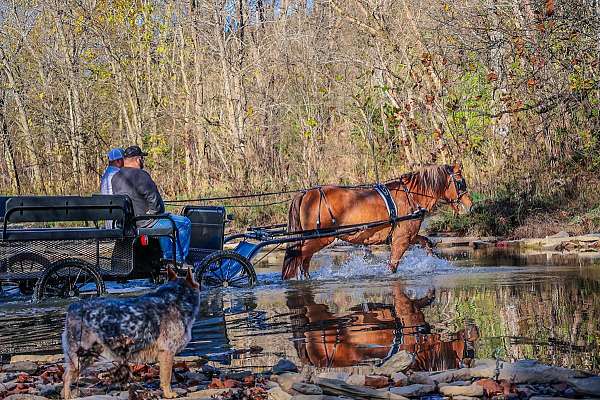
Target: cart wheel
(70,278)
(225,269)
(27,264)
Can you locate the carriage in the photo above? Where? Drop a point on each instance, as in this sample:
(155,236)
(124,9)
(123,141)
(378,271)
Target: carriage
(69,246)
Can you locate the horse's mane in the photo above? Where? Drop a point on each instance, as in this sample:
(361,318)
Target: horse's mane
(431,178)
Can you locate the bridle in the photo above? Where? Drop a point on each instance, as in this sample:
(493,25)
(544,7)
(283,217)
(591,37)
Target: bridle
(459,184)
(461,188)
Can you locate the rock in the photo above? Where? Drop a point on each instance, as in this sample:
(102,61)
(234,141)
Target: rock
(287,380)
(209,393)
(210,371)
(193,378)
(8,386)
(180,391)
(278,394)
(28,367)
(415,390)
(399,362)
(315,397)
(270,384)
(7,376)
(45,359)
(547,398)
(377,381)
(570,392)
(471,390)
(238,376)
(96,397)
(464,398)
(335,375)
(399,379)
(561,234)
(307,388)
(49,389)
(455,383)
(490,387)
(198,360)
(531,371)
(423,378)
(284,365)
(356,379)
(589,386)
(26,397)
(341,388)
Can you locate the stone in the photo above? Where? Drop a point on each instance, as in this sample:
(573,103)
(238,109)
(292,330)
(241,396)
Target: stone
(399,379)
(423,378)
(454,383)
(377,381)
(589,386)
(415,390)
(287,380)
(283,366)
(7,376)
(464,398)
(471,390)
(490,387)
(314,397)
(531,371)
(8,386)
(193,378)
(28,367)
(307,388)
(547,398)
(278,394)
(49,389)
(238,376)
(335,375)
(45,359)
(209,393)
(270,384)
(26,397)
(561,234)
(96,397)
(340,388)
(399,362)
(180,391)
(355,379)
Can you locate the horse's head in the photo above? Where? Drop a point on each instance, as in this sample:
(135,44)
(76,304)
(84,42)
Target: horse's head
(457,194)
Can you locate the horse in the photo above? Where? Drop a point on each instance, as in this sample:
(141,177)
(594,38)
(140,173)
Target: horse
(331,206)
(374,331)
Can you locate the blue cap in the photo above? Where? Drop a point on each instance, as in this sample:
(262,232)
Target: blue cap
(115,154)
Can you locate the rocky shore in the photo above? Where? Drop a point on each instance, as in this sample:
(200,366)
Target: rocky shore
(41,378)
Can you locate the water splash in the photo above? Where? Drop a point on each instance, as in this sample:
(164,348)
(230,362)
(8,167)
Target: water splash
(416,262)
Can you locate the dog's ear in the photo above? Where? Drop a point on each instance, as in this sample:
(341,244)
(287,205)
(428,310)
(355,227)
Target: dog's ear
(189,278)
(171,275)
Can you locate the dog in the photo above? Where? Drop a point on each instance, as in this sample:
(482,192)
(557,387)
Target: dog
(153,327)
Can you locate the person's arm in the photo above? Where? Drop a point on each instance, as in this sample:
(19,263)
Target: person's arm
(148,189)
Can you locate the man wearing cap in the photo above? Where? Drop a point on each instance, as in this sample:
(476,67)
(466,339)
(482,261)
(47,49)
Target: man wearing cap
(136,183)
(115,162)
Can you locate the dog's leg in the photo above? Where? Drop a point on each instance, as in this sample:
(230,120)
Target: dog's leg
(165,359)
(71,374)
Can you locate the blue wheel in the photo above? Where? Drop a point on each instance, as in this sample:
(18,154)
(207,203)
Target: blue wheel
(225,269)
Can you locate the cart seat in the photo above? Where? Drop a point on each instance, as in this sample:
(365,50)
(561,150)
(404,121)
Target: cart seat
(151,231)
(26,234)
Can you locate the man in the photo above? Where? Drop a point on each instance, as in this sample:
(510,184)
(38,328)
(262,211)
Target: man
(115,162)
(136,183)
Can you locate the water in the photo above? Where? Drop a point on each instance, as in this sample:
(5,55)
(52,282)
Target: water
(353,311)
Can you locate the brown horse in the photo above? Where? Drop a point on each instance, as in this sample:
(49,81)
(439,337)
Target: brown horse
(331,206)
(374,331)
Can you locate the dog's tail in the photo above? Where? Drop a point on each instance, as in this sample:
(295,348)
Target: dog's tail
(292,260)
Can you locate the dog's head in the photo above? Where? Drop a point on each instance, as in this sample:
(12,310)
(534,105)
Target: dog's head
(187,281)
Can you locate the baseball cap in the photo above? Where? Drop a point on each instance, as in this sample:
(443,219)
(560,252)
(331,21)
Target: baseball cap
(115,154)
(134,151)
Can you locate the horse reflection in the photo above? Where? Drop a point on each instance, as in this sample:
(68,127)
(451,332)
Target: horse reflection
(373,332)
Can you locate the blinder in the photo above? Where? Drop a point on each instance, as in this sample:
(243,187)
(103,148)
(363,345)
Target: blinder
(461,187)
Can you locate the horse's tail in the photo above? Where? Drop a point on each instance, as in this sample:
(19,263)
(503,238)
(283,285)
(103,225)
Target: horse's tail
(292,259)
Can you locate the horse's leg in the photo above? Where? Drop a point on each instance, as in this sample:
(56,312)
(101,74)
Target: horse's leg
(309,249)
(399,246)
(424,242)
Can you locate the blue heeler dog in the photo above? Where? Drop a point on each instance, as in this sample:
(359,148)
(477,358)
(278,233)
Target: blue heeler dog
(149,328)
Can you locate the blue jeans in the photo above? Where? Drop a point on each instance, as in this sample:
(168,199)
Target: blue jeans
(184,233)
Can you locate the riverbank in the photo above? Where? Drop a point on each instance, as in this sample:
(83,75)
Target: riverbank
(40,377)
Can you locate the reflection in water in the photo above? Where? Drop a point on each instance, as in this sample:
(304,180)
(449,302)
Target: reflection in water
(373,332)
(549,313)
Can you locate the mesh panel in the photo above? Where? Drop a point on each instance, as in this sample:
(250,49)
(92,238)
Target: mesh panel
(27,259)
